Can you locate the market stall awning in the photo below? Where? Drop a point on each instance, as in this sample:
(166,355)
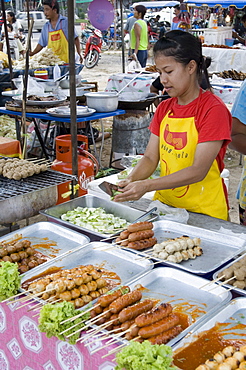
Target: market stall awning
(157,4)
(213,3)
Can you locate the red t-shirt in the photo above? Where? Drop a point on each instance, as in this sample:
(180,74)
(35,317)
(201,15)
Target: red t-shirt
(213,119)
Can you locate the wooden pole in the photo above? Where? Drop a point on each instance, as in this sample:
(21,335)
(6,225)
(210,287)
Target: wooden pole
(122,37)
(7,44)
(73,124)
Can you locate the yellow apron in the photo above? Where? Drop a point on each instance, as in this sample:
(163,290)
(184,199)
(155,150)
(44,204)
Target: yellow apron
(58,43)
(178,140)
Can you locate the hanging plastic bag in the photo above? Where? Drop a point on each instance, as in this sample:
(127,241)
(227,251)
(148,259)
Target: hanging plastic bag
(133,65)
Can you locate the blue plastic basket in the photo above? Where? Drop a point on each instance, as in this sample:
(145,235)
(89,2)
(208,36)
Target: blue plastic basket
(229,42)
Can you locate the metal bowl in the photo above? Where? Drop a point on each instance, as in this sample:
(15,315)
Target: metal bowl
(65,82)
(102,101)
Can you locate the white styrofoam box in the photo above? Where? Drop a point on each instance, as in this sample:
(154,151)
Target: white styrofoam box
(217,35)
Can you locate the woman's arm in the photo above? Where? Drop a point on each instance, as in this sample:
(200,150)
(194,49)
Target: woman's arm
(137,30)
(238,136)
(205,155)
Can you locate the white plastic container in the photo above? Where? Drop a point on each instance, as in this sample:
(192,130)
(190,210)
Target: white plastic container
(217,35)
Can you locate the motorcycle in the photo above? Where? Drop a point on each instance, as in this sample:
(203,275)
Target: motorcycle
(85,34)
(93,48)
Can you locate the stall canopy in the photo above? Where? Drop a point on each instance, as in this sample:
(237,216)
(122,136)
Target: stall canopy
(157,4)
(213,3)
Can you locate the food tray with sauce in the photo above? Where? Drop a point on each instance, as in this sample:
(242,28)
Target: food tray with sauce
(49,239)
(182,291)
(54,213)
(217,248)
(235,289)
(119,262)
(232,315)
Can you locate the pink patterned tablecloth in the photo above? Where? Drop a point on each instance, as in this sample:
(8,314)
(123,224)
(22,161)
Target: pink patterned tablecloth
(23,347)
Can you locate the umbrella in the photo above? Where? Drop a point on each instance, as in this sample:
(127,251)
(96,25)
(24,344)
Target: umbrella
(212,3)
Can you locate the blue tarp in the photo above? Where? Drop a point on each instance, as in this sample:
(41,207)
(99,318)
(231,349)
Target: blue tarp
(213,3)
(157,4)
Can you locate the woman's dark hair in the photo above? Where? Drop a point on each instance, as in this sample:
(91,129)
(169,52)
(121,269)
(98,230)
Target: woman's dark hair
(53,4)
(183,47)
(12,15)
(9,25)
(140,9)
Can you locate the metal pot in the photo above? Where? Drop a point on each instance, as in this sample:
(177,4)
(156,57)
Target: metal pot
(102,101)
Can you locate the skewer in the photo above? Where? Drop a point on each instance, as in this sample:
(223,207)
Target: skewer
(113,340)
(103,336)
(227,290)
(35,308)
(16,295)
(118,347)
(80,314)
(31,297)
(222,283)
(58,300)
(82,340)
(212,281)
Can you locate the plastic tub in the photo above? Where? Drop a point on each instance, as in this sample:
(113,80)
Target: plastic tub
(229,42)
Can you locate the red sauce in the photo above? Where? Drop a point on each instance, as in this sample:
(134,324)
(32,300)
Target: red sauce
(207,344)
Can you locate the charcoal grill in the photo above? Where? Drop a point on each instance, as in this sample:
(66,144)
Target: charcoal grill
(26,197)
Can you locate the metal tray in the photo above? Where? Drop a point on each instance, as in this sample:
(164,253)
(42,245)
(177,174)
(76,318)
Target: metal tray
(178,287)
(116,260)
(42,234)
(232,313)
(217,248)
(234,289)
(121,210)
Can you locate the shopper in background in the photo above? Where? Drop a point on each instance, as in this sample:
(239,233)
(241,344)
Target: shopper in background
(237,36)
(127,29)
(17,30)
(55,33)
(238,143)
(176,19)
(139,36)
(12,42)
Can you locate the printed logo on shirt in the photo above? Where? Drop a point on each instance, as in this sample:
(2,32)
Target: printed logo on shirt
(176,139)
(55,37)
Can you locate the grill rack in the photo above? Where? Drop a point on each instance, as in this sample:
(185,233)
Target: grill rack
(10,188)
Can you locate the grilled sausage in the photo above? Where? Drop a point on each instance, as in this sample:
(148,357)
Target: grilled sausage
(140,235)
(166,336)
(125,301)
(131,312)
(126,325)
(124,234)
(156,314)
(140,226)
(109,298)
(142,244)
(133,333)
(159,326)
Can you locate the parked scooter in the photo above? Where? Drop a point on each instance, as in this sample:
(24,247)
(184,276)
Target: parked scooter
(93,49)
(85,34)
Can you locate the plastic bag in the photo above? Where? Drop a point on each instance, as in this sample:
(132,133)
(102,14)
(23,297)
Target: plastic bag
(169,213)
(133,65)
(33,87)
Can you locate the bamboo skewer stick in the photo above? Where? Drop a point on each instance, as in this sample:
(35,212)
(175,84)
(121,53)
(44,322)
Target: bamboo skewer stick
(212,281)
(82,340)
(113,340)
(31,297)
(103,336)
(16,295)
(222,283)
(58,300)
(118,347)
(80,314)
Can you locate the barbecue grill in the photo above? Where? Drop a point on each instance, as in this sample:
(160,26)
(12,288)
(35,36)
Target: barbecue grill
(26,197)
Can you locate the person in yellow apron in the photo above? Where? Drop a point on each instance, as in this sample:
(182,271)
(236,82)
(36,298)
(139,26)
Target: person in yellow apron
(55,33)
(189,135)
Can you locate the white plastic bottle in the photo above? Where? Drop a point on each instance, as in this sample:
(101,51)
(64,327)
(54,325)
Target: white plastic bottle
(56,72)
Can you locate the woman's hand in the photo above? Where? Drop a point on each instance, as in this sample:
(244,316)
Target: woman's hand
(132,191)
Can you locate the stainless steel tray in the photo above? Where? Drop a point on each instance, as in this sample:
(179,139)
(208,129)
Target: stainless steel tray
(217,248)
(42,234)
(119,261)
(181,288)
(234,289)
(121,210)
(232,313)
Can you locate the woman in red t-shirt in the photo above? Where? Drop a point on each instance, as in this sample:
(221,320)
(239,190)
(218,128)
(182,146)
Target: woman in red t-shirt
(189,135)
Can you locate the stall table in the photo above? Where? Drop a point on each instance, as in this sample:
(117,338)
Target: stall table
(9,147)
(225,59)
(24,347)
(49,118)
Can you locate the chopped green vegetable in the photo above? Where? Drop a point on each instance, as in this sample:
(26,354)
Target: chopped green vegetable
(95,219)
(144,356)
(51,315)
(9,279)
